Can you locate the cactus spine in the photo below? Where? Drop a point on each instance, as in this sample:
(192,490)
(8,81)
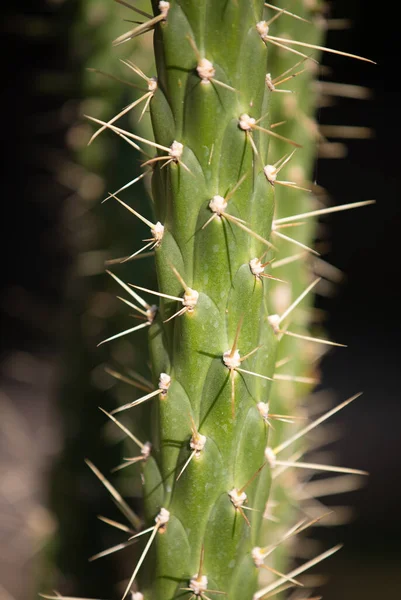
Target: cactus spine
(219,327)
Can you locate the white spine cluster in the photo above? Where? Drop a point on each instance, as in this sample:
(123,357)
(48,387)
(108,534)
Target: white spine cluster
(146,450)
(176,150)
(190,299)
(164,383)
(257,556)
(206,70)
(198,584)
(270,457)
(152,84)
(151,313)
(245,122)
(256,267)
(197,443)
(237,498)
(269,82)
(232,362)
(163,517)
(274,321)
(164,7)
(263,30)
(157,233)
(271,173)
(218,205)
(263,408)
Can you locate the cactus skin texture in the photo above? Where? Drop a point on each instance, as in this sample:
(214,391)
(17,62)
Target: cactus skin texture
(214,261)
(213,349)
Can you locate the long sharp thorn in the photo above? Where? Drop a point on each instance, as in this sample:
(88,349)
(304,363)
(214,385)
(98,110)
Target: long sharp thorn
(318,467)
(298,300)
(134,8)
(324,211)
(142,312)
(123,428)
(288,79)
(224,85)
(127,133)
(232,218)
(135,254)
(243,515)
(296,242)
(236,338)
(142,28)
(277,79)
(118,116)
(254,148)
(145,387)
(111,550)
(177,314)
(122,505)
(309,338)
(250,353)
(292,50)
(128,463)
(286,12)
(113,78)
(214,215)
(116,524)
(136,402)
(294,581)
(283,361)
(288,260)
(231,193)
(278,136)
(131,210)
(142,558)
(143,532)
(180,279)
(127,185)
(283,161)
(273,586)
(130,291)
(292,185)
(146,105)
(314,424)
(277,16)
(138,377)
(240,491)
(156,293)
(248,230)
(186,464)
(309,380)
(252,373)
(322,48)
(136,69)
(122,333)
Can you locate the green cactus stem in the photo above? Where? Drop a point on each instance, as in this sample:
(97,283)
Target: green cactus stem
(222,321)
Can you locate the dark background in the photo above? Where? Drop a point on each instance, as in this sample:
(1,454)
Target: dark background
(363,244)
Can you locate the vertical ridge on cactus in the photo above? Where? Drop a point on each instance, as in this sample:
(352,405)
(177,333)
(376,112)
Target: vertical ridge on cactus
(218,206)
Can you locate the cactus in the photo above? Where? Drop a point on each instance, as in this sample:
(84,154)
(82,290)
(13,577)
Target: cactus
(223,414)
